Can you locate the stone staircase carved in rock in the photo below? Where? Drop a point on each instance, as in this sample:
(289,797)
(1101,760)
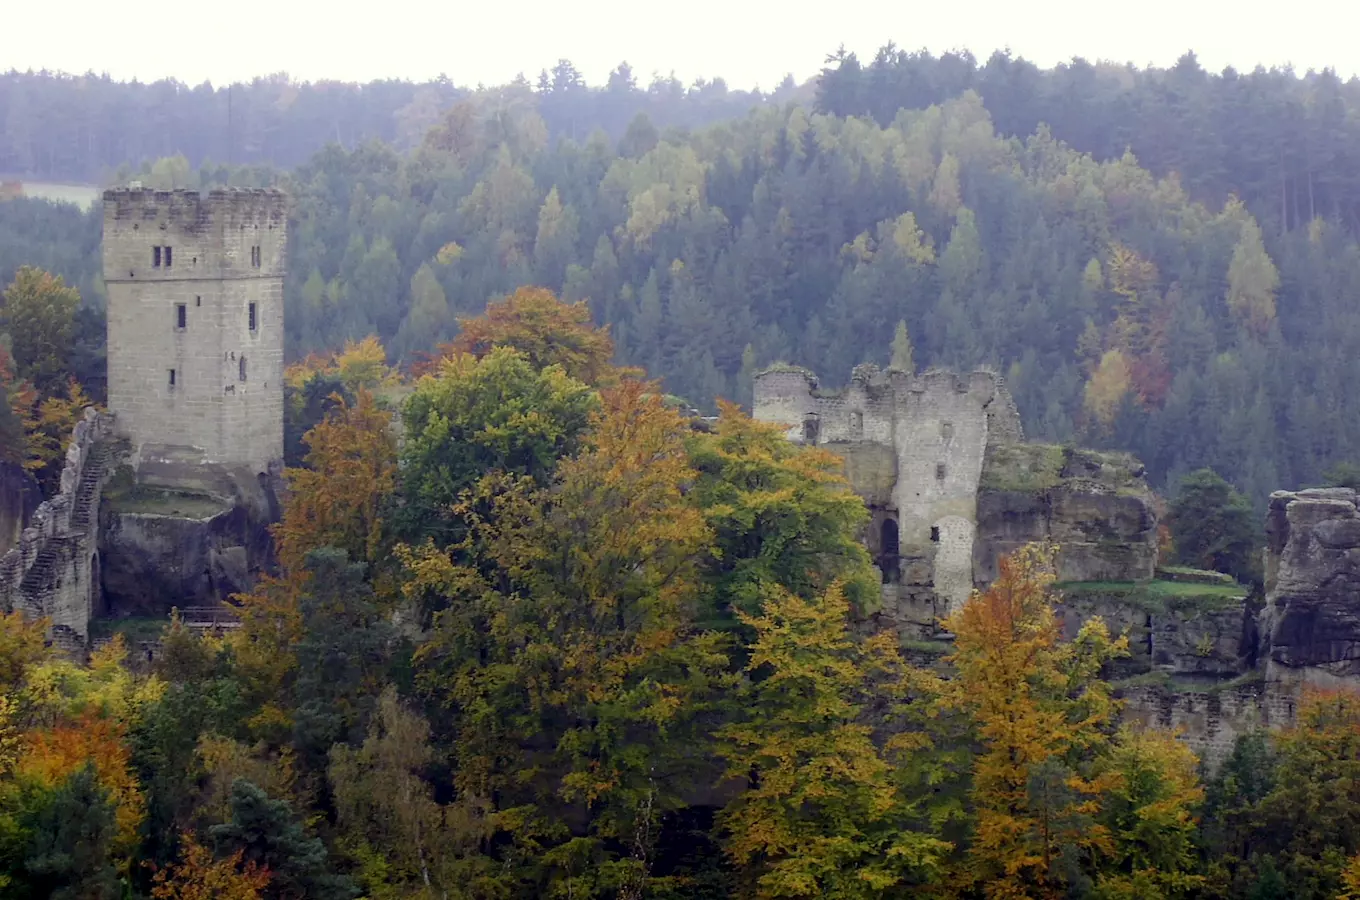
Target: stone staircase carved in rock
(54,572)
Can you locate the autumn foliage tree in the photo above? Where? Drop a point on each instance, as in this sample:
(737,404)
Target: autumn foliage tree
(576,655)
(37,311)
(1041,713)
(821,815)
(199,876)
(545,330)
(336,501)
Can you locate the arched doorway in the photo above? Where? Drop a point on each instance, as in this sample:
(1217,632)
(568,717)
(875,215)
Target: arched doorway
(889,551)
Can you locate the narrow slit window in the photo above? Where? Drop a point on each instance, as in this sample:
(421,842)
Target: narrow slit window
(198,300)
(242,362)
(168,257)
(156,257)
(172,379)
(254,319)
(934,534)
(181,316)
(939,471)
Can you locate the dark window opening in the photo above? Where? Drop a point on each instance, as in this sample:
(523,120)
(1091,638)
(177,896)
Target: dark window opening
(889,551)
(947,430)
(243,367)
(934,534)
(168,257)
(198,300)
(939,471)
(253,317)
(811,428)
(172,378)
(156,257)
(181,315)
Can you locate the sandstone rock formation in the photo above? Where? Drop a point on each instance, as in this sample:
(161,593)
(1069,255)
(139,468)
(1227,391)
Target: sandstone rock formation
(1311,620)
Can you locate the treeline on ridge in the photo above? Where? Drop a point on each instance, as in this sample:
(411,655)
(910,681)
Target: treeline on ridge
(1123,310)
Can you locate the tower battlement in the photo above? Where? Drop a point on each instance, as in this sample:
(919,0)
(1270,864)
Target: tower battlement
(195,323)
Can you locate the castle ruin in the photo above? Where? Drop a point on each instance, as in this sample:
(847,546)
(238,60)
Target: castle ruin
(195,325)
(941,462)
(164,499)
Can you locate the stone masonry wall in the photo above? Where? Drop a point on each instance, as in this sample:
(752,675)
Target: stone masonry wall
(54,572)
(227,397)
(934,428)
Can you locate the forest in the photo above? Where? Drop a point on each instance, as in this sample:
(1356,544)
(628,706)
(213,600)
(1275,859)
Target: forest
(566,638)
(1139,285)
(569,640)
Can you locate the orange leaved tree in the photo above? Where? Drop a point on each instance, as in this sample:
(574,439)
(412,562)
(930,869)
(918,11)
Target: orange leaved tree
(1042,715)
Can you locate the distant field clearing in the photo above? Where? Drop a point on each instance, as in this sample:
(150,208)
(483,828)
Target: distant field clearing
(82,195)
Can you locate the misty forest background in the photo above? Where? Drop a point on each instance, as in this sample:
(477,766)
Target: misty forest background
(1164,261)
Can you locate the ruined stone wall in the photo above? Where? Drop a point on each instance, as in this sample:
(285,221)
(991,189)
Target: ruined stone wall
(54,572)
(1210,721)
(914,447)
(208,258)
(941,439)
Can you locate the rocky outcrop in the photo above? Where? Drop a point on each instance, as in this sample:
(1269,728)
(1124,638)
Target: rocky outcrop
(1311,620)
(166,548)
(1095,506)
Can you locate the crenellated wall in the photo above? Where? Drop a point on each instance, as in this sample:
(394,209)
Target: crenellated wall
(54,571)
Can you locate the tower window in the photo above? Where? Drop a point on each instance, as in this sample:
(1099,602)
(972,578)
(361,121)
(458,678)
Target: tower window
(156,257)
(857,423)
(811,428)
(253,318)
(198,300)
(934,534)
(181,316)
(168,257)
(256,257)
(172,379)
(939,471)
(243,367)
(947,430)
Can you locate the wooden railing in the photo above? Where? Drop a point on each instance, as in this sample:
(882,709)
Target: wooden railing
(209,617)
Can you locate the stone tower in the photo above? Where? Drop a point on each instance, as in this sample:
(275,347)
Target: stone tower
(914,446)
(195,326)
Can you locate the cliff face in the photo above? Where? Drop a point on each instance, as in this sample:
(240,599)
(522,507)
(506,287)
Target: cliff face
(19,499)
(1095,506)
(163,548)
(1311,620)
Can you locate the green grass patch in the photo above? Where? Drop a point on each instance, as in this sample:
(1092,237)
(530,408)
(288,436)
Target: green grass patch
(1160,595)
(1025,468)
(1167,682)
(932,648)
(1191,574)
(157,502)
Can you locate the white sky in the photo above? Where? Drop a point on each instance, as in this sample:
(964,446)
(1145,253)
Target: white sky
(748,42)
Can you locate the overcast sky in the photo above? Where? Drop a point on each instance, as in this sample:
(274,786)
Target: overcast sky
(748,42)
